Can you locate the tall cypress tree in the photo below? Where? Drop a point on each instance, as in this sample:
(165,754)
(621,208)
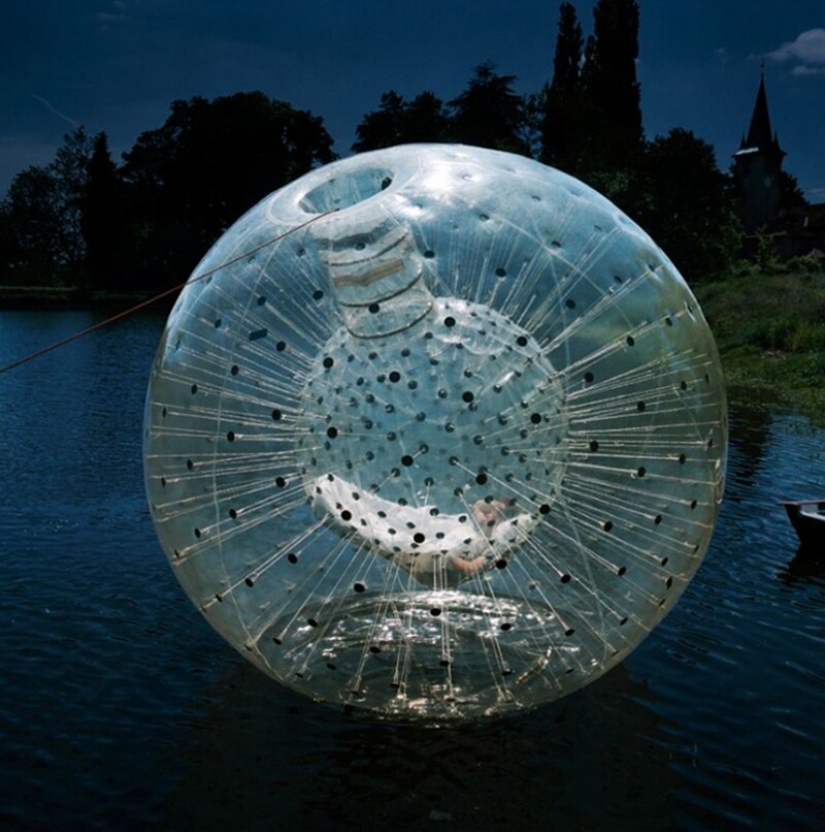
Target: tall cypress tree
(567,60)
(560,125)
(101,217)
(609,81)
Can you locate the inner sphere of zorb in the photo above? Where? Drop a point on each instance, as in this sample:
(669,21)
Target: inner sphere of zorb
(436,432)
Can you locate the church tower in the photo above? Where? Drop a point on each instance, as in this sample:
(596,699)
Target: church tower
(757,166)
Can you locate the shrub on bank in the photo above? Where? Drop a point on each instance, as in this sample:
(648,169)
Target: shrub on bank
(770,329)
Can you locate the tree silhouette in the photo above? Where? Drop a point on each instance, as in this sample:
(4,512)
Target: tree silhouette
(609,86)
(689,207)
(488,113)
(384,127)
(560,105)
(43,209)
(425,120)
(101,218)
(399,122)
(205,166)
(791,195)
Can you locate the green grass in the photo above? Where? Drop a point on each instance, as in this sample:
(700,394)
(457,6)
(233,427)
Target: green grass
(770,329)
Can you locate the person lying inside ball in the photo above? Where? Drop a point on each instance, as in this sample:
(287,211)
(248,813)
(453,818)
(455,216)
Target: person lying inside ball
(435,548)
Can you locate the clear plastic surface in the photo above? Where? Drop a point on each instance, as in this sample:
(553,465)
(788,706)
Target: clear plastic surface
(437,432)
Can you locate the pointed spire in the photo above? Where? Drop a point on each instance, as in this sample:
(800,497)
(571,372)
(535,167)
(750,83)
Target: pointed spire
(760,135)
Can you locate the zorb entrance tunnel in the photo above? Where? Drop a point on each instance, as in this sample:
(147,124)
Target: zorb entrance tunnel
(435,432)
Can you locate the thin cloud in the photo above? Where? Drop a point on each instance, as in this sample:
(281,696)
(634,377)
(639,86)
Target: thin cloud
(807,70)
(807,51)
(105,19)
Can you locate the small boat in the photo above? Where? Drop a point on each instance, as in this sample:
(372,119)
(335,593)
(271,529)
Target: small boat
(808,518)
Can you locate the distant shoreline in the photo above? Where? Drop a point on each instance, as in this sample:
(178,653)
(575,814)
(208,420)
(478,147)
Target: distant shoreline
(66,298)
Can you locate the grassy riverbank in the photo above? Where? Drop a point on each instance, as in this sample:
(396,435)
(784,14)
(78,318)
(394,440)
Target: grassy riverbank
(770,329)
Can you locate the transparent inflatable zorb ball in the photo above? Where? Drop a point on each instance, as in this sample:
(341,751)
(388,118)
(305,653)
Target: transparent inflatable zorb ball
(436,432)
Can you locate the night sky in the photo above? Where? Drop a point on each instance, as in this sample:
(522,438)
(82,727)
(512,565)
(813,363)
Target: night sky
(117,66)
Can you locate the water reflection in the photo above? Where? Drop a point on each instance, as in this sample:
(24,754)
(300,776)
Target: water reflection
(750,434)
(602,759)
(807,567)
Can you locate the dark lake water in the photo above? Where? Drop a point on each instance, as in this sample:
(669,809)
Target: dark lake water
(121,709)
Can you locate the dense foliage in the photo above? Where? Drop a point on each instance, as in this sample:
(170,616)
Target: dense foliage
(189,180)
(142,224)
(41,218)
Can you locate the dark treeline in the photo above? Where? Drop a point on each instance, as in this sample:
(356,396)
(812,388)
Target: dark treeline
(142,224)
